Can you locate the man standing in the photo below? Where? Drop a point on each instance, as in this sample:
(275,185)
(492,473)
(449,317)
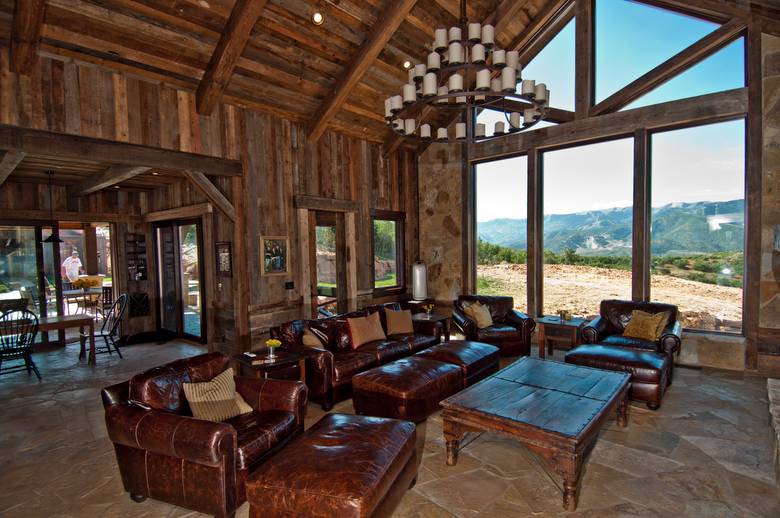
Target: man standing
(71,266)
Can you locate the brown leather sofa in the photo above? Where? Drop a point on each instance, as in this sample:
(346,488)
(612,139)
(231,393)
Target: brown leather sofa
(329,369)
(166,454)
(511,329)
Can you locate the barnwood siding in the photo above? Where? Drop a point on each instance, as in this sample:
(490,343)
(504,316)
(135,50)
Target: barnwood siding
(82,99)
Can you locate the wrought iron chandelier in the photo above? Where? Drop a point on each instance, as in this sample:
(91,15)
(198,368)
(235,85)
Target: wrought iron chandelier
(466,71)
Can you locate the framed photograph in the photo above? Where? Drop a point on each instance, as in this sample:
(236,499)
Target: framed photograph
(274,252)
(224,259)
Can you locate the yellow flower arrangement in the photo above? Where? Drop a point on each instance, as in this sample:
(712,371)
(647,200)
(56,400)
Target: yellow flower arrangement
(428,308)
(273,342)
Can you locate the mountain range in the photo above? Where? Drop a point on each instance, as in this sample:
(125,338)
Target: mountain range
(677,229)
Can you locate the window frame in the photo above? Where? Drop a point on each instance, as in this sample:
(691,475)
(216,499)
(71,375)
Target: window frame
(400,251)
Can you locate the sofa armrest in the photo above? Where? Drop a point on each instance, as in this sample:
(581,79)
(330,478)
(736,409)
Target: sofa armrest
(521,321)
(594,331)
(464,323)
(273,394)
(319,368)
(173,435)
(671,339)
(428,327)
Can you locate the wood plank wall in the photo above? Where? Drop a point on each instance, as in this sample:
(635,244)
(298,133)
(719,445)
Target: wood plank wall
(78,98)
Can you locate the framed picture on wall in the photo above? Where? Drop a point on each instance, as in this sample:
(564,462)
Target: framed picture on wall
(224,259)
(274,252)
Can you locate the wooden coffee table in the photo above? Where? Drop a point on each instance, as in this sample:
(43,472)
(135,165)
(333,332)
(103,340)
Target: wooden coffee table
(555,409)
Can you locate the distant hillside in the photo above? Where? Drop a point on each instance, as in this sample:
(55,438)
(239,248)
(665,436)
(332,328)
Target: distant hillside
(679,228)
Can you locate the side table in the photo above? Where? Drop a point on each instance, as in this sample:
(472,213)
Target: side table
(553,329)
(435,317)
(283,365)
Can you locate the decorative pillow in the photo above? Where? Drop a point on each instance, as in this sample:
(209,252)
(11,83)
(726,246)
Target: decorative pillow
(216,400)
(399,322)
(662,323)
(310,339)
(480,314)
(646,326)
(365,329)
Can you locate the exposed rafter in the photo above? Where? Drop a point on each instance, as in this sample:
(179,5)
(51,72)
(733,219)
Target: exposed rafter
(673,66)
(8,162)
(378,36)
(227,52)
(114,175)
(26,34)
(214,195)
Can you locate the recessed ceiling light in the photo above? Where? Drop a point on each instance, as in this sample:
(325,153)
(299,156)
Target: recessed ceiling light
(116,187)
(317,18)
(407,65)
(155,173)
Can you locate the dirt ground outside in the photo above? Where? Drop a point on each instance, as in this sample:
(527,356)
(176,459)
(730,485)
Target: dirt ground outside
(580,289)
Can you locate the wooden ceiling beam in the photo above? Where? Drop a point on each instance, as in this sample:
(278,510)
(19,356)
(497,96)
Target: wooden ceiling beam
(378,36)
(26,34)
(551,11)
(227,52)
(552,114)
(214,195)
(8,162)
(104,179)
(673,66)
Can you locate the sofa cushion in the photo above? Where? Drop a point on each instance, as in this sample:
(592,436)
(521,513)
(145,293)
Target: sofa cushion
(384,350)
(365,329)
(414,341)
(259,432)
(629,342)
(334,331)
(479,313)
(498,332)
(646,326)
(399,322)
(347,364)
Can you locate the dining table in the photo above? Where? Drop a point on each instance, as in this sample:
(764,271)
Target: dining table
(62,322)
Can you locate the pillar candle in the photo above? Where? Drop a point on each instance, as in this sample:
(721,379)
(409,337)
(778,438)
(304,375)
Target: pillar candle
(460,130)
(456,83)
(479,131)
(396,103)
(409,125)
(456,53)
(443,90)
(530,115)
(410,93)
(483,79)
(419,71)
(499,129)
(388,107)
(440,39)
(429,84)
(475,32)
(434,61)
(508,79)
(513,59)
(441,134)
(514,119)
(455,34)
(488,35)
(499,57)
(425,131)
(460,99)
(528,88)
(495,84)
(479,98)
(540,92)
(478,54)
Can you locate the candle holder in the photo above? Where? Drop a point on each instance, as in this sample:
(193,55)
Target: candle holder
(272,344)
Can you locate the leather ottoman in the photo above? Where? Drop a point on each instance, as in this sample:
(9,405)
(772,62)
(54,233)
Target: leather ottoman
(475,359)
(409,388)
(649,370)
(344,465)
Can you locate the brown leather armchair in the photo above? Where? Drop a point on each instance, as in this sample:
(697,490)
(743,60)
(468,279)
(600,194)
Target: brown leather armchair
(608,327)
(511,329)
(166,454)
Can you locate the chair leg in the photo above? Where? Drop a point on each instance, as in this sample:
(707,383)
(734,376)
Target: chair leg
(82,351)
(31,367)
(113,342)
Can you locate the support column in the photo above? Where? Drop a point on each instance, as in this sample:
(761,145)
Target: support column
(641,260)
(535,255)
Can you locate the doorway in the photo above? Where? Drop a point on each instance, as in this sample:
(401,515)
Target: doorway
(328,252)
(179,247)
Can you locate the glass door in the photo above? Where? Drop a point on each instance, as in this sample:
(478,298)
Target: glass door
(330,271)
(20,283)
(168,281)
(190,272)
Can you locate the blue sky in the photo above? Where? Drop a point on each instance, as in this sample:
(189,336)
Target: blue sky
(705,163)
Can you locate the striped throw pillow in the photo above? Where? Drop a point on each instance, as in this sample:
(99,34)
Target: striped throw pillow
(216,400)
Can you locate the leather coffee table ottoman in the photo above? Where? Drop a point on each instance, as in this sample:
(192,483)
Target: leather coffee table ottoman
(409,388)
(344,465)
(649,370)
(475,359)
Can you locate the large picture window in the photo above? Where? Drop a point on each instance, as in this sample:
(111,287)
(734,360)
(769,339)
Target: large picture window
(502,196)
(587,227)
(388,250)
(698,223)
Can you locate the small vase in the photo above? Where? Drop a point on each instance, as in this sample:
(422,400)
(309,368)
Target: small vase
(272,352)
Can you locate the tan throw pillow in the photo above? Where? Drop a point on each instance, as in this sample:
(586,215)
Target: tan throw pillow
(480,314)
(662,323)
(399,322)
(645,326)
(365,329)
(216,400)
(310,339)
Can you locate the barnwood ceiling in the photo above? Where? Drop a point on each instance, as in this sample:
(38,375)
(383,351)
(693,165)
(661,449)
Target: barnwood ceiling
(289,66)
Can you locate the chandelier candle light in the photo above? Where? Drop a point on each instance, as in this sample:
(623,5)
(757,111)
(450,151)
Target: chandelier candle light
(466,72)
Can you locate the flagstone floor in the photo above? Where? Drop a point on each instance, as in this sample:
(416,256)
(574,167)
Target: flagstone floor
(706,453)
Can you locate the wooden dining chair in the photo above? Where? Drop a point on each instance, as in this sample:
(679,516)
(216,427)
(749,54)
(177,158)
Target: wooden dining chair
(18,329)
(109,331)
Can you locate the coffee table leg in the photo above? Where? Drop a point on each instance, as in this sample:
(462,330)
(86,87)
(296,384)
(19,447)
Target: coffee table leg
(622,411)
(571,483)
(453,435)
